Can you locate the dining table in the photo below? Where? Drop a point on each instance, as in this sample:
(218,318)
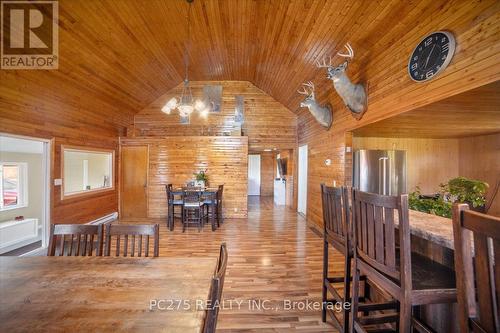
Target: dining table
(104,294)
(208,193)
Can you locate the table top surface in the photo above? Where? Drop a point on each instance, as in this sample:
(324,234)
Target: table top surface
(436,229)
(105,294)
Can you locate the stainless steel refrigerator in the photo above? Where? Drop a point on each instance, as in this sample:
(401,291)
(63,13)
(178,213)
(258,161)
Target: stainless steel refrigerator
(380,171)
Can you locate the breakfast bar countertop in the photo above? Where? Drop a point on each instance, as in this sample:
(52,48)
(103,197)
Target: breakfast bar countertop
(433,228)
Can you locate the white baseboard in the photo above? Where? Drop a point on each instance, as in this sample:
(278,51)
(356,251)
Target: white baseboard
(105,219)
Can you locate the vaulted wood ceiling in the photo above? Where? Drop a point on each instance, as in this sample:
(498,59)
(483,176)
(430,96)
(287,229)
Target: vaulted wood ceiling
(117,56)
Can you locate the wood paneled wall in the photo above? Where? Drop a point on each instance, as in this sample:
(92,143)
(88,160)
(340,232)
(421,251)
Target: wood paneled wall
(267,171)
(480,159)
(175,159)
(390,90)
(429,162)
(268,124)
(33,103)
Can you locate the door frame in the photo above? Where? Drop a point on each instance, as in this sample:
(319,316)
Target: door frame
(259,175)
(302,149)
(47,157)
(119,174)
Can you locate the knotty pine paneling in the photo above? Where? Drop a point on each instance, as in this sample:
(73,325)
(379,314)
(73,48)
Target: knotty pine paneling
(479,158)
(32,104)
(268,124)
(175,159)
(429,162)
(382,66)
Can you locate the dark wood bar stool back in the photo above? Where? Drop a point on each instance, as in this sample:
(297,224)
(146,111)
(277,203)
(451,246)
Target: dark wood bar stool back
(215,294)
(477,265)
(193,208)
(172,202)
(220,217)
(132,240)
(335,232)
(75,240)
(410,281)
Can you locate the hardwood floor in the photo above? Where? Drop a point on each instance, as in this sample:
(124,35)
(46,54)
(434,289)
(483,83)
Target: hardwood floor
(273,257)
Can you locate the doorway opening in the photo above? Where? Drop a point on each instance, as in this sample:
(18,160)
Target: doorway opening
(24,195)
(254,174)
(302,182)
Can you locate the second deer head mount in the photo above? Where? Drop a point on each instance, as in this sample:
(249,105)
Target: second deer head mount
(353,95)
(323,114)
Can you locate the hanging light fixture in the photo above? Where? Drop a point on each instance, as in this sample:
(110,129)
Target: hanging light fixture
(186,104)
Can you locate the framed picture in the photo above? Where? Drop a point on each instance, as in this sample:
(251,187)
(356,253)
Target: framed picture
(212,95)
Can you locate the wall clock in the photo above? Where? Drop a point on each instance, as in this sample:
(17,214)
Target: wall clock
(431,56)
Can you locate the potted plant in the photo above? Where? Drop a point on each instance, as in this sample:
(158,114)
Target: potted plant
(201,178)
(469,191)
(458,189)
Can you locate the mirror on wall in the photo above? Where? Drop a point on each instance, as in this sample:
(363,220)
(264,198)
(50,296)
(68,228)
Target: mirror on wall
(86,170)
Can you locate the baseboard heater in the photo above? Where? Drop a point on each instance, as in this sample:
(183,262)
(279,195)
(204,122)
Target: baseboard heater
(105,219)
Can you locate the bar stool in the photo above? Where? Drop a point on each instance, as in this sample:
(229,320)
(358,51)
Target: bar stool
(410,280)
(337,233)
(172,203)
(478,308)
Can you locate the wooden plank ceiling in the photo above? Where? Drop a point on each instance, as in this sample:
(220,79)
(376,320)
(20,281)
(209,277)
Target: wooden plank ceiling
(127,53)
(475,112)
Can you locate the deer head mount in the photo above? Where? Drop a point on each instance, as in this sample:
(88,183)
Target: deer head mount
(353,95)
(323,114)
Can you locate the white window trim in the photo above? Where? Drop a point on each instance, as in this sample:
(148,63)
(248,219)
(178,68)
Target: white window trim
(22,186)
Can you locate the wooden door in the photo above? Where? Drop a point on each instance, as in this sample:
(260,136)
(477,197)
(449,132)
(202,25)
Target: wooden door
(134,181)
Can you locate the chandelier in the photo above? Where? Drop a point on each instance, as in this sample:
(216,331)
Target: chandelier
(186,104)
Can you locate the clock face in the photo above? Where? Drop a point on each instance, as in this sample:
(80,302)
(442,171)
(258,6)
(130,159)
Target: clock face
(431,56)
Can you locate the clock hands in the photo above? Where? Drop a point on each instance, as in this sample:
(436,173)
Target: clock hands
(429,56)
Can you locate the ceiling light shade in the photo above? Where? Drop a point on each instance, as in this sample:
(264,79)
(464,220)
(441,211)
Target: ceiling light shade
(166,109)
(199,105)
(172,103)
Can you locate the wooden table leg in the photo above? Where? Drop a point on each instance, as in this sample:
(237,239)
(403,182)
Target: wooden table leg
(212,216)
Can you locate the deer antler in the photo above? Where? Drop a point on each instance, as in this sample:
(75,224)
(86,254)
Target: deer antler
(305,91)
(349,54)
(324,64)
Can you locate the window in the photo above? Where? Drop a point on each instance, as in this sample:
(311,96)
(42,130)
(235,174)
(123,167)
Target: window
(86,170)
(13,185)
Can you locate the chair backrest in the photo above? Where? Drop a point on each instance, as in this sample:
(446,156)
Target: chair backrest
(168,189)
(215,295)
(374,233)
(125,236)
(75,240)
(477,267)
(192,196)
(220,191)
(336,224)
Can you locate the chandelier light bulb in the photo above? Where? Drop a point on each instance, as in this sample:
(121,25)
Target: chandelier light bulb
(166,109)
(172,103)
(199,105)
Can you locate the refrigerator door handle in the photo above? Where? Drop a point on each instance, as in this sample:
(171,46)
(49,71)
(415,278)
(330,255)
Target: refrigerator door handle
(382,175)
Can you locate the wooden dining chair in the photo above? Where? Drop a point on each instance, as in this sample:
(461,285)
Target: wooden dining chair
(220,217)
(172,203)
(477,265)
(193,209)
(337,233)
(215,294)
(411,280)
(132,239)
(75,240)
